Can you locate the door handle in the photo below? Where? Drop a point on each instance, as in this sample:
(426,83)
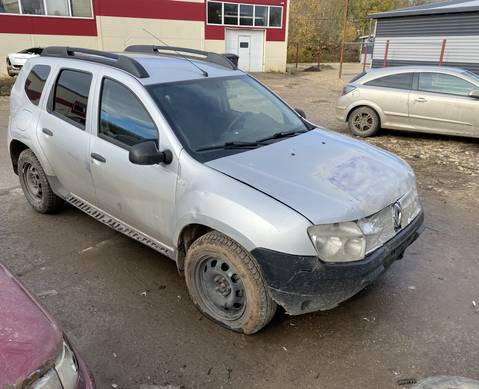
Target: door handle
(98,157)
(421,100)
(46,131)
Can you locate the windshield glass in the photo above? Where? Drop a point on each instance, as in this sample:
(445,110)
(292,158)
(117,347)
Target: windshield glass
(472,75)
(214,111)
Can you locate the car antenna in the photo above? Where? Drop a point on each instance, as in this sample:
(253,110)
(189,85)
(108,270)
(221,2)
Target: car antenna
(205,73)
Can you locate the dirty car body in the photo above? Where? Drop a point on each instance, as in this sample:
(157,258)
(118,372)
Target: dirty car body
(254,203)
(34,353)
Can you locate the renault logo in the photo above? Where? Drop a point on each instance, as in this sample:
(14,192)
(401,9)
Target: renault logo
(397,215)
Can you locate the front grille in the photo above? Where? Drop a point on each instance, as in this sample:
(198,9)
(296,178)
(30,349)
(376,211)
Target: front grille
(380,227)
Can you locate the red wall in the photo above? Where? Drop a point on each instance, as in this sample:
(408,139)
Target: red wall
(163,9)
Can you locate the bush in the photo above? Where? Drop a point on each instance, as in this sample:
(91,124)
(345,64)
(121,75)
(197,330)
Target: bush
(6,84)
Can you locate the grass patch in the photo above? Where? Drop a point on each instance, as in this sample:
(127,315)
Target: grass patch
(6,84)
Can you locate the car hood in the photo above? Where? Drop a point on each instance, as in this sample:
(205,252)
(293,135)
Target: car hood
(325,176)
(30,340)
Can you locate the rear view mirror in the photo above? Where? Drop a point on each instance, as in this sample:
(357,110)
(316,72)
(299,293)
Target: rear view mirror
(147,153)
(474,94)
(301,112)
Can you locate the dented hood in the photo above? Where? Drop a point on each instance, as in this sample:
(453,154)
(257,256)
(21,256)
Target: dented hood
(30,340)
(325,176)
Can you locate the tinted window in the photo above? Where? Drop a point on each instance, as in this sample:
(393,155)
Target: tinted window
(35,82)
(260,13)
(214,13)
(444,83)
(275,14)
(71,96)
(398,81)
(123,118)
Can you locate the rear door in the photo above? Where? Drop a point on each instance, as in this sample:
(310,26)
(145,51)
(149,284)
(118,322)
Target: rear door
(391,93)
(63,131)
(442,104)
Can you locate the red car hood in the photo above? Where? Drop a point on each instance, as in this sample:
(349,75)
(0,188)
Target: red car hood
(30,340)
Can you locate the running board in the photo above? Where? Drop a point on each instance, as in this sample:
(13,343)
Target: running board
(119,226)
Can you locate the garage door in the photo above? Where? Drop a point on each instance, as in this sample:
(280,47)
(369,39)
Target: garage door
(249,45)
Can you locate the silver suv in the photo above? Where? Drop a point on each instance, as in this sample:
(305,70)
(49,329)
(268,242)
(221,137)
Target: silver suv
(180,150)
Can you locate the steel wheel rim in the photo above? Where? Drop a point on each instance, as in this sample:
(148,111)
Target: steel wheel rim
(220,287)
(32,181)
(363,121)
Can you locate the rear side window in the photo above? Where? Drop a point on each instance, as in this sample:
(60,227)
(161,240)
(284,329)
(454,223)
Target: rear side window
(444,83)
(70,99)
(397,81)
(35,82)
(123,118)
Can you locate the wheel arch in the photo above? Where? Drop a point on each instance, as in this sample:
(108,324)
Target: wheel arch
(370,105)
(186,237)
(16,148)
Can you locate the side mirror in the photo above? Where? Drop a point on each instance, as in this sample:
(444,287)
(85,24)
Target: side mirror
(474,94)
(146,153)
(301,112)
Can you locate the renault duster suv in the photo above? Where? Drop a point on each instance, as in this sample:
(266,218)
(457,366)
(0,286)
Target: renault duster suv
(180,150)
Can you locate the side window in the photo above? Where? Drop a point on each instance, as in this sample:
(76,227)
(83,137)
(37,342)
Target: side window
(396,81)
(444,83)
(123,118)
(35,82)
(70,99)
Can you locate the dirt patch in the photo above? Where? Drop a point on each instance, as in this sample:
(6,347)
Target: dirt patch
(6,84)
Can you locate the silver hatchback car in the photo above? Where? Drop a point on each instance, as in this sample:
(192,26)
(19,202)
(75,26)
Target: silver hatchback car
(414,98)
(180,150)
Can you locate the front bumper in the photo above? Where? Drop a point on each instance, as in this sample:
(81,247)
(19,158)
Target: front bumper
(341,113)
(306,284)
(13,70)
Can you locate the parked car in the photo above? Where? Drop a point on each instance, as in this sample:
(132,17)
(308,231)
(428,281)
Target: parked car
(433,99)
(198,160)
(15,61)
(34,353)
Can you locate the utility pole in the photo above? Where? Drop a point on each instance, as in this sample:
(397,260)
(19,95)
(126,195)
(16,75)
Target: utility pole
(346,14)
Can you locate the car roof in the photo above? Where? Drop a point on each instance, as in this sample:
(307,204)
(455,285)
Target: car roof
(386,71)
(168,68)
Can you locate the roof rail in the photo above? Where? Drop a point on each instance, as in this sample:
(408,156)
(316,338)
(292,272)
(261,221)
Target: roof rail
(118,61)
(208,56)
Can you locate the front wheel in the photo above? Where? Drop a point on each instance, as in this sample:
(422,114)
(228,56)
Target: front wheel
(225,283)
(35,185)
(364,122)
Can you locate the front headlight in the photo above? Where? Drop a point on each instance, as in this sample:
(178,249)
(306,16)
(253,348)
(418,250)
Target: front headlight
(338,242)
(63,375)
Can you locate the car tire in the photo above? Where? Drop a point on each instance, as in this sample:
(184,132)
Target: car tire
(364,122)
(35,185)
(225,283)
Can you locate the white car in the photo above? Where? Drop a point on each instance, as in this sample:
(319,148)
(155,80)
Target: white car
(15,61)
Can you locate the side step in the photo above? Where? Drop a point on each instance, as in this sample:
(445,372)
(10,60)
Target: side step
(119,226)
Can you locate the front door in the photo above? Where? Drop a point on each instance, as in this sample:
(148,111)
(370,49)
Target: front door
(143,197)
(63,132)
(441,104)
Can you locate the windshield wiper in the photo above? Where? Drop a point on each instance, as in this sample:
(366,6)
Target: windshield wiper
(230,145)
(282,134)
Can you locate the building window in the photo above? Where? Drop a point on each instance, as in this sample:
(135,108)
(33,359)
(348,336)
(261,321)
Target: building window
(275,16)
(246,15)
(65,8)
(260,15)
(236,14)
(9,7)
(231,14)
(215,15)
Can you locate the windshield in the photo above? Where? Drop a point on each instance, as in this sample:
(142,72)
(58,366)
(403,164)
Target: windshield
(472,75)
(231,110)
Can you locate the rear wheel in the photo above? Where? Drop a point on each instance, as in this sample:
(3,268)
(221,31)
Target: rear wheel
(364,121)
(35,185)
(225,283)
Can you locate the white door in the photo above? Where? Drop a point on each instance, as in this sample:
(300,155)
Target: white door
(249,46)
